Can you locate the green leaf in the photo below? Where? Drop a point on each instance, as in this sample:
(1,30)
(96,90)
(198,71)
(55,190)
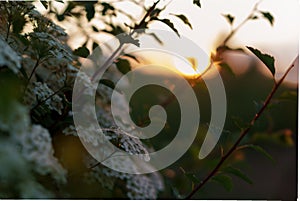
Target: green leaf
(268,16)
(169,24)
(265,58)
(18,23)
(260,150)
(123,66)
(238,173)
(108,83)
(95,45)
(82,52)
(197,2)
(90,10)
(45,4)
(226,67)
(156,38)
(132,57)
(184,19)
(229,18)
(224,180)
(95,29)
(192,177)
(125,38)
(106,7)
(155,12)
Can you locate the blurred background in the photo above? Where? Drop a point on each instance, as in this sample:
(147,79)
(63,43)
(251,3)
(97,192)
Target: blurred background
(247,84)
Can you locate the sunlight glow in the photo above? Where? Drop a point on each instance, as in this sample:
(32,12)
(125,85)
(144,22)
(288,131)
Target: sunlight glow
(188,68)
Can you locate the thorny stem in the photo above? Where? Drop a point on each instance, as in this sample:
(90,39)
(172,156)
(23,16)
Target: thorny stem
(242,135)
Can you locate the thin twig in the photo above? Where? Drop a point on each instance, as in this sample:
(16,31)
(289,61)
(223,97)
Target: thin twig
(37,63)
(116,52)
(242,135)
(7,32)
(233,31)
(49,97)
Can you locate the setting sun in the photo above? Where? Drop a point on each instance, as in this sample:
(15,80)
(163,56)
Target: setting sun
(187,67)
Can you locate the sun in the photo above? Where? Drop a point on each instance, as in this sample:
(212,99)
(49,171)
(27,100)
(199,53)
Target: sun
(186,66)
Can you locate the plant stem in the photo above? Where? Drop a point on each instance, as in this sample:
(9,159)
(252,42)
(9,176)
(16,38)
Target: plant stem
(43,101)
(242,135)
(233,31)
(118,50)
(34,68)
(7,31)
(31,74)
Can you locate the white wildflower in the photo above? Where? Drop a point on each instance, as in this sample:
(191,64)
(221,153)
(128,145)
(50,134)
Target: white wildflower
(70,130)
(8,57)
(46,95)
(36,148)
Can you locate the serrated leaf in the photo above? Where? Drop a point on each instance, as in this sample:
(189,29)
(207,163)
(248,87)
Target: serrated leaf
(260,150)
(229,18)
(184,19)
(123,66)
(108,83)
(197,2)
(169,24)
(192,177)
(265,58)
(238,173)
(125,38)
(268,16)
(82,52)
(224,180)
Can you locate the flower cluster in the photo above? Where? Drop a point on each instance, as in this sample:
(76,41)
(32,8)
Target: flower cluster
(48,97)
(36,147)
(8,57)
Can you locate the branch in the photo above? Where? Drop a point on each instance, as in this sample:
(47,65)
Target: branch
(118,50)
(242,135)
(233,31)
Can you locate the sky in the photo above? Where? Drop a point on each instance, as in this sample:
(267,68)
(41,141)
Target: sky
(280,40)
(209,26)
